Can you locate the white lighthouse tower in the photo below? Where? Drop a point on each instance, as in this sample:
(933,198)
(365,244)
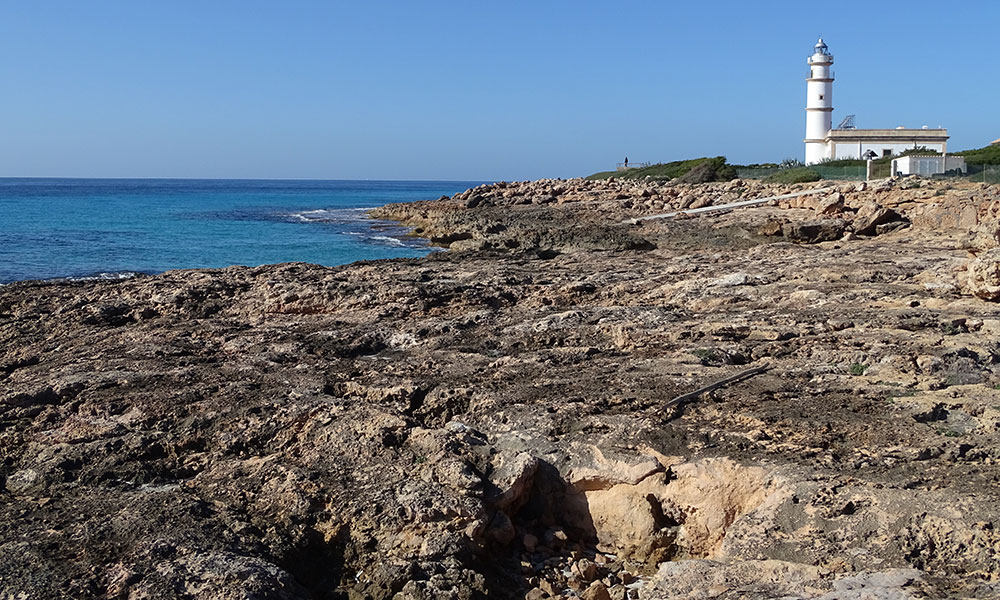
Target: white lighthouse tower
(819,103)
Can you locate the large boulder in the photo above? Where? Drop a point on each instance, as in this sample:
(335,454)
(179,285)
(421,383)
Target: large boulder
(871,215)
(832,204)
(811,232)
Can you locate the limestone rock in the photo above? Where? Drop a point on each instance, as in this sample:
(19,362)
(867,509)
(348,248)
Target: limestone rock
(870,216)
(25,481)
(754,579)
(535,594)
(984,275)
(830,205)
(585,569)
(214,576)
(596,591)
(512,478)
(879,585)
(770,228)
(811,232)
(402,429)
(701,202)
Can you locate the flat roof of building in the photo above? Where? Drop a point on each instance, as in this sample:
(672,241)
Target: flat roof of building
(887,135)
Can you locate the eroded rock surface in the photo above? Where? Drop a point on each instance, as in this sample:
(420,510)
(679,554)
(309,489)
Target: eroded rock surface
(492,421)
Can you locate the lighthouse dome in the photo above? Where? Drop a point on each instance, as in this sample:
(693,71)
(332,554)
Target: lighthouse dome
(820,47)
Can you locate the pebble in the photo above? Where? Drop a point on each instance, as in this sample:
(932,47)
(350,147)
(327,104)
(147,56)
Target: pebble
(586,569)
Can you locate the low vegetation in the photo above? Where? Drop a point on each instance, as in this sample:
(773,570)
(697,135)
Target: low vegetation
(701,170)
(883,160)
(990,155)
(797,175)
(707,169)
(712,169)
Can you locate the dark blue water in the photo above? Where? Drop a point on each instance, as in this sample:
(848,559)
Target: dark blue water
(100,227)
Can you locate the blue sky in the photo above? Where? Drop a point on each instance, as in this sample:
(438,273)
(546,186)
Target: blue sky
(466,90)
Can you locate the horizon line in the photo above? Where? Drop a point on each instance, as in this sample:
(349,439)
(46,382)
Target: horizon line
(2,177)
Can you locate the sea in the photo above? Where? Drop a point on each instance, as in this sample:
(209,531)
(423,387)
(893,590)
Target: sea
(114,228)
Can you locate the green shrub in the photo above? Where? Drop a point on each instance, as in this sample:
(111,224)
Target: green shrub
(844,162)
(857,369)
(921,151)
(758,166)
(948,432)
(712,169)
(799,175)
(990,155)
(709,356)
(882,160)
(717,170)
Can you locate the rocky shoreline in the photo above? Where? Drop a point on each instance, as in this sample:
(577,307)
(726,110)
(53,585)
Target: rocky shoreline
(494,421)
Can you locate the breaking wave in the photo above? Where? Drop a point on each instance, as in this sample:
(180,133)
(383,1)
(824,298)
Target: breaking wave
(356,222)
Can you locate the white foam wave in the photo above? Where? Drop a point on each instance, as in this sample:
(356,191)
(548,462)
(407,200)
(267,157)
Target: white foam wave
(388,240)
(323,215)
(357,223)
(114,276)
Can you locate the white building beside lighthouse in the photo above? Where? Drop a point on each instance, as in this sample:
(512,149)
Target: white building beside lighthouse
(823,142)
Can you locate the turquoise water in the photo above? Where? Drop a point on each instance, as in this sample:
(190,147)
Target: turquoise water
(53,228)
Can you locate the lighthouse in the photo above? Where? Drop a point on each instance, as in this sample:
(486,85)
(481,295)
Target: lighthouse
(823,142)
(819,103)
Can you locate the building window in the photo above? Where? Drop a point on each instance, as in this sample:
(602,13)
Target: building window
(821,96)
(886,152)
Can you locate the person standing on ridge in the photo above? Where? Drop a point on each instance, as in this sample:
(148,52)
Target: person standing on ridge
(626,162)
